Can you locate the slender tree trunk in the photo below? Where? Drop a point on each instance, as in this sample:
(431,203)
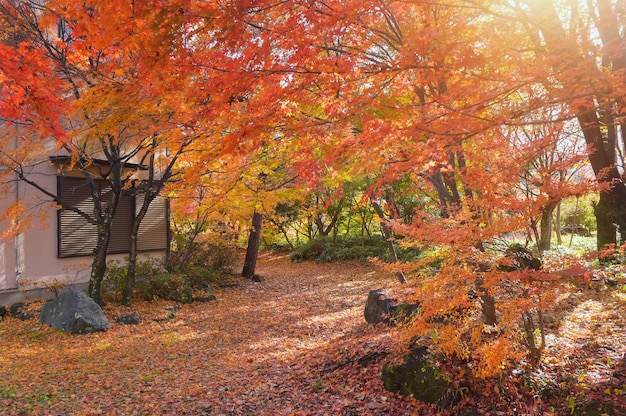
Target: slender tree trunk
(388,233)
(99,264)
(105,213)
(535,231)
(557,225)
(285,234)
(545,237)
(252,253)
(131,271)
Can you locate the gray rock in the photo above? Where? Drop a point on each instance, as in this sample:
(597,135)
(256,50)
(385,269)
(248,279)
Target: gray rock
(17,311)
(204,299)
(210,294)
(378,307)
(129,319)
(74,312)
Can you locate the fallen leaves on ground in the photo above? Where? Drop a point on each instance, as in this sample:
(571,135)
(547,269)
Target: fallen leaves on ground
(295,344)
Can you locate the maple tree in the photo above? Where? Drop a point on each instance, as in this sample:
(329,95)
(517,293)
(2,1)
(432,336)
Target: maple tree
(586,58)
(127,84)
(95,117)
(429,90)
(435,94)
(555,158)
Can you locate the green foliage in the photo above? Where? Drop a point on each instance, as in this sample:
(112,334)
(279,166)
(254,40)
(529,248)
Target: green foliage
(575,245)
(350,247)
(206,263)
(115,275)
(578,212)
(170,286)
(327,249)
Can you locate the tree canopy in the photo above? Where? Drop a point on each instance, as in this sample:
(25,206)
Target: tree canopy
(486,111)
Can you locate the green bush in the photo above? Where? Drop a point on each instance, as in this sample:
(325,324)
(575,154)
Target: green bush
(169,286)
(115,276)
(351,247)
(199,276)
(578,213)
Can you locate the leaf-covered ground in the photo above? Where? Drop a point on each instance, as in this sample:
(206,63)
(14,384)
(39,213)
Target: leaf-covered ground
(296,344)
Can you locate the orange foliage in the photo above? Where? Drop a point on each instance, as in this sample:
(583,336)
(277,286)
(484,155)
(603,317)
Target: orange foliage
(468,98)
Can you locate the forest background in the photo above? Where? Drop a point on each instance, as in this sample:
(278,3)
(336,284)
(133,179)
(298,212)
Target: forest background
(461,127)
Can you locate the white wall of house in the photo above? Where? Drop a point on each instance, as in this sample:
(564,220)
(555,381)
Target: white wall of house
(28,260)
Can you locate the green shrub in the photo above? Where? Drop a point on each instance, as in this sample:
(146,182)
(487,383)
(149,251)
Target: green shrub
(169,286)
(113,281)
(199,276)
(115,276)
(351,247)
(206,264)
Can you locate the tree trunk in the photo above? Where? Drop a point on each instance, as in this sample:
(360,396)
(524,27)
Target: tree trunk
(99,264)
(607,233)
(131,270)
(388,234)
(557,225)
(612,206)
(252,252)
(488,309)
(545,239)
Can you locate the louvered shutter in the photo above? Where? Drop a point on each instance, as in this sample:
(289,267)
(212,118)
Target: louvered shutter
(77,237)
(153,228)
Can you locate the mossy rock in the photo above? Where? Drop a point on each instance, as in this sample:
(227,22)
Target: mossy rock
(419,377)
(596,408)
(405,311)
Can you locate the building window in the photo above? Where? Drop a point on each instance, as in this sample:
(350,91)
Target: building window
(78,237)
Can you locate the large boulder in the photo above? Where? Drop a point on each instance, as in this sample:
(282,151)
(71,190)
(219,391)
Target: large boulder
(74,312)
(379,307)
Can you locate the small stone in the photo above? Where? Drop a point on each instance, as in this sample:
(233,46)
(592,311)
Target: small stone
(17,311)
(129,319)
(204,299)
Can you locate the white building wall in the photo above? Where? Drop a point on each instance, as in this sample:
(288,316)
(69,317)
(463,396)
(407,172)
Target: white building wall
(28,261)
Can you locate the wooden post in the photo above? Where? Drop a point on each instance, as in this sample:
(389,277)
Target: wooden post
(252,251)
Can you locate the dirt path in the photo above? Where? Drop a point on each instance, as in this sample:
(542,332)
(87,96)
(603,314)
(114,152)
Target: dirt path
(293,344)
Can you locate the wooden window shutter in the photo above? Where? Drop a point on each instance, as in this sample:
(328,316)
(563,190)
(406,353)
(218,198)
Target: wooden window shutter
(77,237)
(153,230)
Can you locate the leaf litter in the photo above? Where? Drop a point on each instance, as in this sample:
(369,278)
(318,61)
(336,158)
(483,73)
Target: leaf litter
(288,346)
(296,344)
